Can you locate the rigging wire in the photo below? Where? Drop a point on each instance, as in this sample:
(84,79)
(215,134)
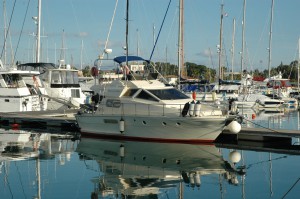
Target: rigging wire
(291,188)
(8,27)
(77,24)
(264,161)
(19,175)
(273,130)
(110,27)
(160,30)
(296,59)
(7,181)
(12,61)
(109,31)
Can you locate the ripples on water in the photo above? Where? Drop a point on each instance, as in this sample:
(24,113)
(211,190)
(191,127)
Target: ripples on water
(57,165)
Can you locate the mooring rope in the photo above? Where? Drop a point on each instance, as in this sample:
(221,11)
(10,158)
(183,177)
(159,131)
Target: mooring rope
(259,124)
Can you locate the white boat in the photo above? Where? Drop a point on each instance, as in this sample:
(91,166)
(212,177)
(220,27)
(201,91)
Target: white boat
(16,95)
(255,100)
(147,109)
(14,145)
(61,84)
(138,169)
(281,88)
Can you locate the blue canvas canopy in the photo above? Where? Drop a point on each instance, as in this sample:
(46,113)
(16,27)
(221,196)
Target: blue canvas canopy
(122,59)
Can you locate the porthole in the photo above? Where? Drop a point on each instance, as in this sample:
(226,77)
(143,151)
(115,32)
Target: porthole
(164,160)
(177,161)
(178,123)
(144,122)
(164,124)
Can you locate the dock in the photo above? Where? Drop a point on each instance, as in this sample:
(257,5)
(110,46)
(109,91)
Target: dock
(261,139)
(58,119)
(261,134)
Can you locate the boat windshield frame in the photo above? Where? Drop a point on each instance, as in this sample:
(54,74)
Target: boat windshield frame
(168,94)
(156,94)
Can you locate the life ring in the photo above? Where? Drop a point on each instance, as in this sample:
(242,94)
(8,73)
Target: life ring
(94,71)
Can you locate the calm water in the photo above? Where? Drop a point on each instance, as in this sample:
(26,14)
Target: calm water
(48,165)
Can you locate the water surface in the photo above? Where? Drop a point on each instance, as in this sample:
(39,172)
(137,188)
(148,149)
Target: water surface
(47,165)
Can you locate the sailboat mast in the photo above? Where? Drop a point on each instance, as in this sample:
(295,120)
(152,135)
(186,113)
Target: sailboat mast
(270,40)
(232,49)
(127,16)
(220,45)
(180,43)
(5,33)
(243,38)
(298,63)
(63,49)
(38,36)
(81,51)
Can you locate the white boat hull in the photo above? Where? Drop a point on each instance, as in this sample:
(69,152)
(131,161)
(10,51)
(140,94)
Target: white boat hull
(152,128)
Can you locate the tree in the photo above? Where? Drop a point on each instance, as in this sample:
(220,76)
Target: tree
(86,71)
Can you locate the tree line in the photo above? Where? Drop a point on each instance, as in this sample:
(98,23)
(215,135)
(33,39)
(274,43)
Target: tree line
(202,72)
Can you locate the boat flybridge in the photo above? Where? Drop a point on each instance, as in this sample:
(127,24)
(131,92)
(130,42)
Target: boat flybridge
(141,107)
(16,95)
(61,83)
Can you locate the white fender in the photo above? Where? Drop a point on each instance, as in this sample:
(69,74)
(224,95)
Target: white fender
(122,125)
(191,109)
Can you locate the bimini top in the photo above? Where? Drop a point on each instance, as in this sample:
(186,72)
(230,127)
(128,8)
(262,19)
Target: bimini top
(36,65)
(122,59)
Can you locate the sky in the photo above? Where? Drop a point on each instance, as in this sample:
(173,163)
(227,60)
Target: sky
(86,24)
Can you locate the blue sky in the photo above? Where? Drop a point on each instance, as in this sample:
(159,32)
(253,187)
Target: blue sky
(88,21)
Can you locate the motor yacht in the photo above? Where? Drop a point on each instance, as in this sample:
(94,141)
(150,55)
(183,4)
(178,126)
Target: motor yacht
(141,107)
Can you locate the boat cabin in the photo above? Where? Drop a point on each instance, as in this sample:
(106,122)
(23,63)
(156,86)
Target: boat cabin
(279,83)
(11,81)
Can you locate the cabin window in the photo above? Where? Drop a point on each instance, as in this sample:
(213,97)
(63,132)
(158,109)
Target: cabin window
(69,77)
(287,84)
(130,92)
(63,77)
(144,95)
(278,84)
(12,80)
(75,76)
(55,77)
(169,94)
(75,93)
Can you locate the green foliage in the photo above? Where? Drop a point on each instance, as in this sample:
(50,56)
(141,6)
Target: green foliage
(166,68)
(86,71)
(203,72)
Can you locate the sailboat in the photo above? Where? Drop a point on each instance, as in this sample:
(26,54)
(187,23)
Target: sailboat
(279,86)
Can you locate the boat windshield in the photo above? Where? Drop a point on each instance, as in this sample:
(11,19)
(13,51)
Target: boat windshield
(64,77)
(162,94)
(12,81)
(168,94)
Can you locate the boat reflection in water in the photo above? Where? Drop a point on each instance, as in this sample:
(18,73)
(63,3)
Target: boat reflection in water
(23,145)
(27,151)
(148,168)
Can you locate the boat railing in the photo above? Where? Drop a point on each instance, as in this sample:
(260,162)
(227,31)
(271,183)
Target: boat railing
(137,109)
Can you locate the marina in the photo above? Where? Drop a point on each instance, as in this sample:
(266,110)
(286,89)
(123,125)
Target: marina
(41,163)
(148,119)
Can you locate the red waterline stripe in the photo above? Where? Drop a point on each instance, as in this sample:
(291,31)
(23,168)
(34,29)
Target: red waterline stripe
(142,139)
